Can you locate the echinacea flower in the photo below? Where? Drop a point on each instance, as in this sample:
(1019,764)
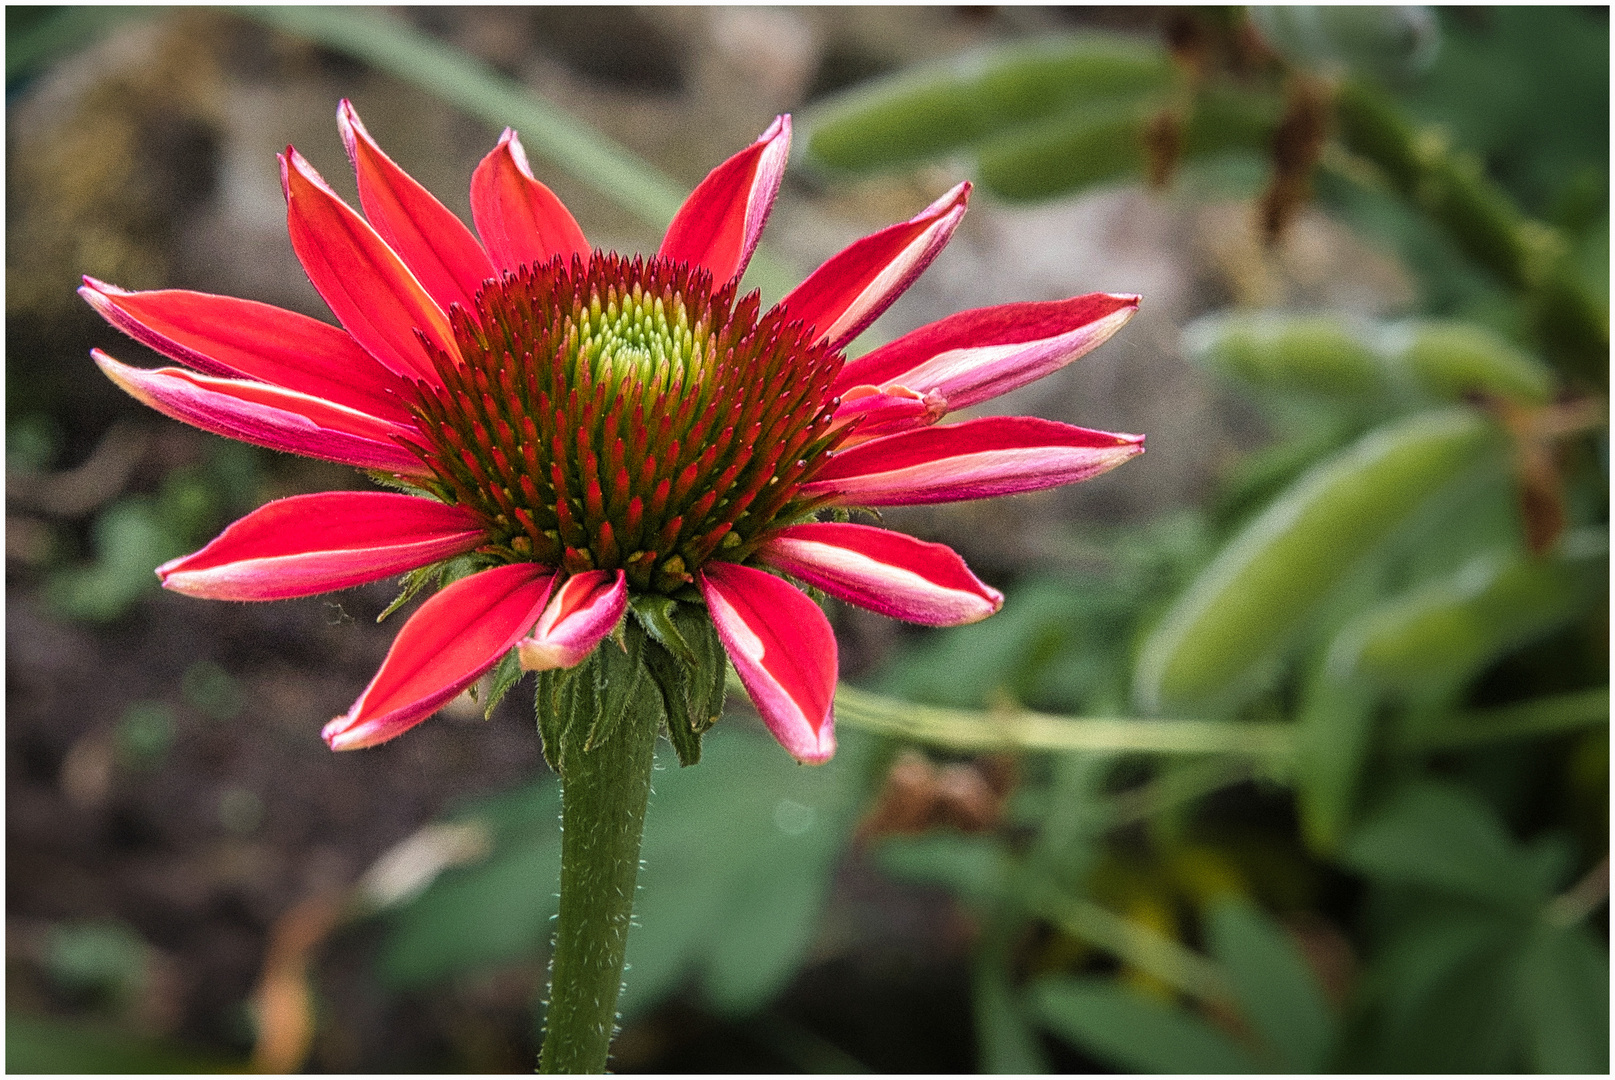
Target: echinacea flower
(586,426)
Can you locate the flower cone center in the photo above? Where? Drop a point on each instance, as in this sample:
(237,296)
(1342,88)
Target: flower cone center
(618,413)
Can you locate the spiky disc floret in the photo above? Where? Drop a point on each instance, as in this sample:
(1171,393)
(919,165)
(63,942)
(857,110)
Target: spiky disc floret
(616,412)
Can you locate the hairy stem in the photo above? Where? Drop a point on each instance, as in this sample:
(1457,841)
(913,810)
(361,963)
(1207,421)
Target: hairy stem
(603,797)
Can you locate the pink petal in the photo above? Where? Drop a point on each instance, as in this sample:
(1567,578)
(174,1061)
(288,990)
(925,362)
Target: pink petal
(431,240)
(719,224)
(221,335)
(996,455)
(519,218)
(782,646)
(445,646)
(886,411)
(311,544)
(883,571)
(265,415)
(363,280)
(976,355)
(581,612)
(848,292)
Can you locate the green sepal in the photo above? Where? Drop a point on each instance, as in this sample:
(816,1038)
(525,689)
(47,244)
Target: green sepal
(552,700)
(400,484)
(507,674)
(655,614)
(693,689)
(617,677)
(437,574)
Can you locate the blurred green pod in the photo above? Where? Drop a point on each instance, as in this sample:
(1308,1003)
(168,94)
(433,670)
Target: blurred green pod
(920,115)
(1392,42)
(1097,142)
(1237,616)
(1455,360)
(1312,355)
(1440,635)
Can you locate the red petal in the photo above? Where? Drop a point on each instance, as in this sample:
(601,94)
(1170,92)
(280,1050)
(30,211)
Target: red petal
(997,455)
(364,281)
(581,612)
(976,355)
(265,415)
(883,571)
(311,544)
(519,218)
(445,646)
(431,240)
(719,224)
(784,651)
(221,335)
(849,292)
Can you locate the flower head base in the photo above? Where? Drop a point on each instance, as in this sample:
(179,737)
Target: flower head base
(604,435)
(616,413)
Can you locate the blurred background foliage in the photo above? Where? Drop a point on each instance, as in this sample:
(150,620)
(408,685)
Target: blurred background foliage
(1296,759)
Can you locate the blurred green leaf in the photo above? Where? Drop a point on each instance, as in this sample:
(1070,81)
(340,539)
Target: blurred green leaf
(1135,1033)
(38,36)
(39,1045)
(131,539)
(1564,994)
(1277,992)
(924,113)
(1225,631)
(105,959)
(1317,355)
(736,862)
(144,734)
(1439,836)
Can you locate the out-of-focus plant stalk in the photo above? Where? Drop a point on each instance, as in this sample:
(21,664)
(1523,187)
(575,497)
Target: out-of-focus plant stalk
(1527,255)
(981,732)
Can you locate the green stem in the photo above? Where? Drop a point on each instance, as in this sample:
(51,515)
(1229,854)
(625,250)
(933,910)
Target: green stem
(603,797)
(981,732)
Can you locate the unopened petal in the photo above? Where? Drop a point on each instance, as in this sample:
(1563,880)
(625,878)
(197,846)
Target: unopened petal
(782,647)
(581,612)
(269,416)
(448,644)
(977,459)
(376,297)
(519,219)
(883,571)
(432,241)
(886,410)
(222,335)
(849,292)
(976,355)
(719,224)
(310,544)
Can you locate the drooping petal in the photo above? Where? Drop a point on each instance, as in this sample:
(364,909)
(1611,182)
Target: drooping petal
(432,241)
(445,646)
(221,335)
(976,355)
(976,459)
(783,648)
(849,292)
(719,224)
(884,411)
(268,416)
(519,219)
(883,571)
(581,612)
(363,280)
(310,544)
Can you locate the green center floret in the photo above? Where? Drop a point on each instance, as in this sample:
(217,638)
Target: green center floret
(621,413)
(634,338)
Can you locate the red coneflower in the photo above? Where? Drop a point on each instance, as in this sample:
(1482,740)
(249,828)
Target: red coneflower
(586,427)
